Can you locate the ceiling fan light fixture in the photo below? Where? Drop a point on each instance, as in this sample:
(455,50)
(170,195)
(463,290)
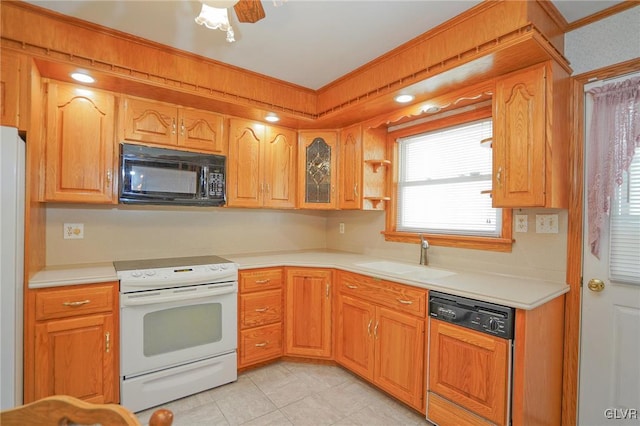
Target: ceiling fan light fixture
(216,18)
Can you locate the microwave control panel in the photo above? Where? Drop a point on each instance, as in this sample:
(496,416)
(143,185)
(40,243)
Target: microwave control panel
(216,182)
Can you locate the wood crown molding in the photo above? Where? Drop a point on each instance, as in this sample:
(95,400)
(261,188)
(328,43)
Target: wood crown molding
(617,8)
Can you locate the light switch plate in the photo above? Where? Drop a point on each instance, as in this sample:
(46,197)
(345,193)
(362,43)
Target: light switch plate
(73,231)
(522,223)
(547,223)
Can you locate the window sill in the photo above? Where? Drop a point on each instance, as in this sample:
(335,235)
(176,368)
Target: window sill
(459,241)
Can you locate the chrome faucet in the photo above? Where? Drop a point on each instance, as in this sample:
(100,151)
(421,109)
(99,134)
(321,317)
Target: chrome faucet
(424,246)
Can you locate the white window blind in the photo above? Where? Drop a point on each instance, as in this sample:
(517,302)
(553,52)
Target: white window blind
(624,252)
(441,176)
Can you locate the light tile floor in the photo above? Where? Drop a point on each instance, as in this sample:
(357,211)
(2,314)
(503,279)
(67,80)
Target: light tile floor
(287,393)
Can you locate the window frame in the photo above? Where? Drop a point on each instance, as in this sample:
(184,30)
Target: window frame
(503,243)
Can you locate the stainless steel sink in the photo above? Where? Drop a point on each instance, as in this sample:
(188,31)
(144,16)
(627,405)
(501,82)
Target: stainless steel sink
(417,272)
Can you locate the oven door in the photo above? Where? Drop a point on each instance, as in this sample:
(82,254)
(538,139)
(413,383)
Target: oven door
(170,327)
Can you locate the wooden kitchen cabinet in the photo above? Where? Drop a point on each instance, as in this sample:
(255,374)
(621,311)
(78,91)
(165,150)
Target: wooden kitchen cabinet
(76,343)
(80,163)
(308,312)
(530,138)
(261,170)
(260,315)
(380,334)
(170,125)
(362,168)
(317,169)
(13,89)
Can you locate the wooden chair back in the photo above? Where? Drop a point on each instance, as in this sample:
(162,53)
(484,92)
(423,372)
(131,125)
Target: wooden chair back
(66,410)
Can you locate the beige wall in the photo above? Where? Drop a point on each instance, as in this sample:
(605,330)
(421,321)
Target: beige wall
(536,255)
(126,232)
(129,232)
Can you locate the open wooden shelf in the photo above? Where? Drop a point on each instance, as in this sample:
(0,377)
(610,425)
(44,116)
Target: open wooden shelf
(376,164)
(376,200)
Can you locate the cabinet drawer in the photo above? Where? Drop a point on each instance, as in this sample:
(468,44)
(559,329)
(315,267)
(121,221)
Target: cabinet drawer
(260,279)
(260,308)
(71,301)
(396,296)
(260,344)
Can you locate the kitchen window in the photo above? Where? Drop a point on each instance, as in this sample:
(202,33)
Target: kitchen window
(443,185)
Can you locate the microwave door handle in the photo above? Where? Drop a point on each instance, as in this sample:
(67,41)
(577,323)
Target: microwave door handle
(175,297)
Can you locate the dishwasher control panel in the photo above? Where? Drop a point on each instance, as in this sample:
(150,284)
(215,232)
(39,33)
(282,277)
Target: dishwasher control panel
(490,318)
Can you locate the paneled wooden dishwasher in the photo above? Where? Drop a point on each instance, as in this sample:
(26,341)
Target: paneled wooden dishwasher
(470,361)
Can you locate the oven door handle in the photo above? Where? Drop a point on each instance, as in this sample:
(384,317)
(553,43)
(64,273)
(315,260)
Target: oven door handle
(140,300)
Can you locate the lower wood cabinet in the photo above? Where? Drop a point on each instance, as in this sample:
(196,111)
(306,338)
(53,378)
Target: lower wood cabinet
(385,345)
(76,342)
(308,312)
(260,316)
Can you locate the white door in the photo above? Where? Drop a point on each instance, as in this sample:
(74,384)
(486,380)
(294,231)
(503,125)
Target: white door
(609,383)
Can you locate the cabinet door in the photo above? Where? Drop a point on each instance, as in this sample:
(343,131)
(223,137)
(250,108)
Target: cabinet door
(151,122)
(244,173)
(308,312)
(11,84)
(77,357)
(519,139)
(354,335)
(470,369)
(399,364)
(279,168)
(201,131)
(80,145)
(317,171)
(351,168)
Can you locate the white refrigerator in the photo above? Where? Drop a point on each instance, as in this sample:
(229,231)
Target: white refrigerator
(12,200)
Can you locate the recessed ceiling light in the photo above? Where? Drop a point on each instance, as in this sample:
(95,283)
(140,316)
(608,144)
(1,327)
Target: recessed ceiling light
(431,109)
(82,78)
(272,118)
(403,99)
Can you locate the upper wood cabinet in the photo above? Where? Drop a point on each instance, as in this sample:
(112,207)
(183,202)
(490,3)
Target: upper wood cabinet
(261,169)
(317,169)
(362,171)
(13,89)
(166,124)
(308,312)
(80,146)
(530,138)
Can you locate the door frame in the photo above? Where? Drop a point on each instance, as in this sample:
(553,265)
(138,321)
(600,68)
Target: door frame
(573,300)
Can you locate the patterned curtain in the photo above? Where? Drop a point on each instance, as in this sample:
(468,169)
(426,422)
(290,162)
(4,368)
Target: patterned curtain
(614,137)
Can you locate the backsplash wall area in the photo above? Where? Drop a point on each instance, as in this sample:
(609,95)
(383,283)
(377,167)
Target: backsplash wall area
(137,232)
(533,254)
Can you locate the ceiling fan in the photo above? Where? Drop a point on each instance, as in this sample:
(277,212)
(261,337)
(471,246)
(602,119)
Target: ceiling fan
(214,14)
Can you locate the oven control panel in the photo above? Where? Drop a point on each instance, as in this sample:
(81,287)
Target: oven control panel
(176,276)
(481,316)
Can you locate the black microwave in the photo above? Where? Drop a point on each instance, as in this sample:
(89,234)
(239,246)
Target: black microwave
(168,176)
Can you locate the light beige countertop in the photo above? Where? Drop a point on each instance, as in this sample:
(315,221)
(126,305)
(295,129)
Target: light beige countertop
(87,273)
(514,291)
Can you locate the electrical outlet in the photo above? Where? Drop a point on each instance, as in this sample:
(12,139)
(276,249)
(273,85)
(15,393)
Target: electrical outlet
(547,223)
(522,223)
(341,230)
(73,231)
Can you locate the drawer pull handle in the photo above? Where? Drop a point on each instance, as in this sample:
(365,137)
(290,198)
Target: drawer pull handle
(405,302)
(352,287)
(263,281)
(262,309)
(369,328)
(375,330)
(78,303)
(107,342)
(262,345)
